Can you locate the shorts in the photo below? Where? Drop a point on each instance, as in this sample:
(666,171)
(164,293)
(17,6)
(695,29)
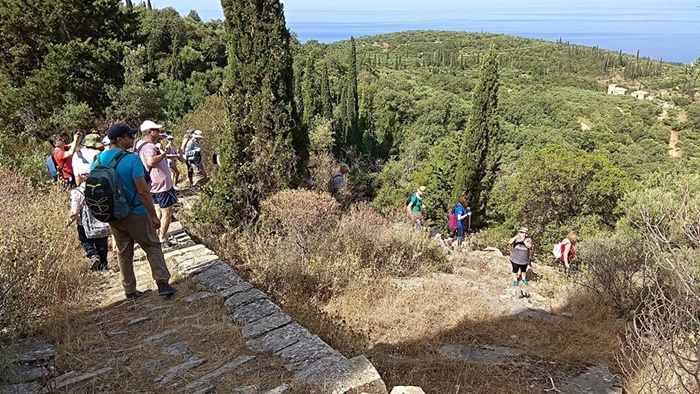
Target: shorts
(165,199)
(518,267)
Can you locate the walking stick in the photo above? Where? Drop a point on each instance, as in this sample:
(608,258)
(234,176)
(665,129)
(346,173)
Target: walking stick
(470,223)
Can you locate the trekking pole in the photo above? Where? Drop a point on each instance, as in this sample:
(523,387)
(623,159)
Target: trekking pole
(470,223)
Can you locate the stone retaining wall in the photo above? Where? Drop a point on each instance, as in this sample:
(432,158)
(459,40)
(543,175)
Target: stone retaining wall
(267,328)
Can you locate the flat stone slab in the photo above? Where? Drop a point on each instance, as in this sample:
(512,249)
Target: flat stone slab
(246,390)
(356,375)
(73,377)
(595,380)
(280,338)
(33,351)
(218,277)
(198,296)
(224,369)
(22,388)
(482,355)
(243,298)
(179,370)
(23,373)
(184,251)
(211,389)
(266,324)
(407,390)
(176,349)
(303,353)
(279,390)
(152,366)
(158,338)
(254,311)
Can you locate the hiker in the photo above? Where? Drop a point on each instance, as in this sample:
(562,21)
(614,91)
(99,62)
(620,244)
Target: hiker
(520,245)
(183,147)
(193,155)
(172,156)
(415,207)
(154,159)
(141,224)
(566,249)
(83,157)
(337,185)
(61,155)
(93,234)
(462,213)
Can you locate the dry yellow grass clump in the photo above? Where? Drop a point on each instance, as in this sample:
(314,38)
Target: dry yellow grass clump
(41,263)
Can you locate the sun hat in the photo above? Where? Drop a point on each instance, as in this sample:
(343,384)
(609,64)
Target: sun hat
(92,141)
(150,125)
(197,134)
(422,189)
(120,130)
(169,137)
(523,230)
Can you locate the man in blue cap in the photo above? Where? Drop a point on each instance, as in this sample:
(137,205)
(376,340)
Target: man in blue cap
(141,225)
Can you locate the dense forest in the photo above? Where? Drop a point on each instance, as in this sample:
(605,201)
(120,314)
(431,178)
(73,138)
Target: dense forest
(524,127)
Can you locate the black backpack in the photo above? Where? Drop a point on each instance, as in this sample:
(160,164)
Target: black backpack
(104,193)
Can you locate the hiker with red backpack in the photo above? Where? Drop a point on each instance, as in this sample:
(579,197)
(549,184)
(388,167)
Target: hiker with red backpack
(459,216)
(564,250)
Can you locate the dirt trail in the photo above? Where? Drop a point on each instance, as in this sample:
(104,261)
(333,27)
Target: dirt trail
(673,149)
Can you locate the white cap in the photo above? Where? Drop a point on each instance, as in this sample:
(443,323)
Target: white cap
(197,134)
(106,141)
(150,125)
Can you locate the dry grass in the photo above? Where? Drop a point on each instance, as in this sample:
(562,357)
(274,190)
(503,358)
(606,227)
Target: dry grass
(86,339)
(42,266)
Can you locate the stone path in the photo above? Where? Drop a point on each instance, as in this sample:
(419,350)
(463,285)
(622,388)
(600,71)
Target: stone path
(217,334)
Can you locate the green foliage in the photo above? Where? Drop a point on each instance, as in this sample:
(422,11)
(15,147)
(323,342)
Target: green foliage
(477,163)
(263,149)
(555,190)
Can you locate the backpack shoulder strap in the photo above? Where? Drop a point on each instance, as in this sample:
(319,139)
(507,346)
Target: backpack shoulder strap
(80,155)
(117,158)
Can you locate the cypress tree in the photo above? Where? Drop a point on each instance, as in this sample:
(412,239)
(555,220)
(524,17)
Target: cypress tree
(263,148)
(129,4)
(354,136)
(326,100)
(477,163)
(307,89)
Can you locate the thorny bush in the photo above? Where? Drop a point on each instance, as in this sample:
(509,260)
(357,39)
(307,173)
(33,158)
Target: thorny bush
(39,258)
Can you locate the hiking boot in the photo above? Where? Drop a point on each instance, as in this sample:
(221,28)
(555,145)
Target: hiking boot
(134,295)
(164,289)
(94,263)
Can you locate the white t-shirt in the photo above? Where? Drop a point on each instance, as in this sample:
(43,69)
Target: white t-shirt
(79,164)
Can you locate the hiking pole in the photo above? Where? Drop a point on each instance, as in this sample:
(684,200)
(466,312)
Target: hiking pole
(470,223)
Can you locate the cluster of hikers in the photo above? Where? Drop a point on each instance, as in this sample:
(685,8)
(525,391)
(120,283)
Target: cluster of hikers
(520,245)
(126,188)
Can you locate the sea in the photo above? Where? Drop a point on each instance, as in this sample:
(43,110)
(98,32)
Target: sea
(661,29)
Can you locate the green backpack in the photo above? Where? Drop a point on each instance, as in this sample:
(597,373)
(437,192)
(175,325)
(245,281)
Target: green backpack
(104,193)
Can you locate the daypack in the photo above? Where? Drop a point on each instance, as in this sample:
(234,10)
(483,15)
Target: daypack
(409,199)
(93,228)
(52,167)
(104,193)
(452,221)
(557,250)
(331,183)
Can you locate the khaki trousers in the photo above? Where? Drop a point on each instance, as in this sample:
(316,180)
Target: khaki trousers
(138,228)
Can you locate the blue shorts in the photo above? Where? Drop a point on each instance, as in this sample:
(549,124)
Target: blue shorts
(165,199)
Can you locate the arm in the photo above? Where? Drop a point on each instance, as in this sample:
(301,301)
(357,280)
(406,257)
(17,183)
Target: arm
(144,192)
(185,139)
(72,146)
(152,159)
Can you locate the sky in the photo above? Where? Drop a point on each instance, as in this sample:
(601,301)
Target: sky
(668,29)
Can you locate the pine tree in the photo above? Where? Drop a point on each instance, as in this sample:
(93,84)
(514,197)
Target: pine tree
(263,149)
(477,157)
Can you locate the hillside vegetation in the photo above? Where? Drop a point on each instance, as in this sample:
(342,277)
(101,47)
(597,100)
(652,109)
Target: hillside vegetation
(523,127)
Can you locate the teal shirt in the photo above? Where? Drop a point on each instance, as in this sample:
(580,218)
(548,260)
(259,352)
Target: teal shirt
(129,168)
(417,203)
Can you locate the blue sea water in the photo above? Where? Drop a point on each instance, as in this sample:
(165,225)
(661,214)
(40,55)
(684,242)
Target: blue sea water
(662,29)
